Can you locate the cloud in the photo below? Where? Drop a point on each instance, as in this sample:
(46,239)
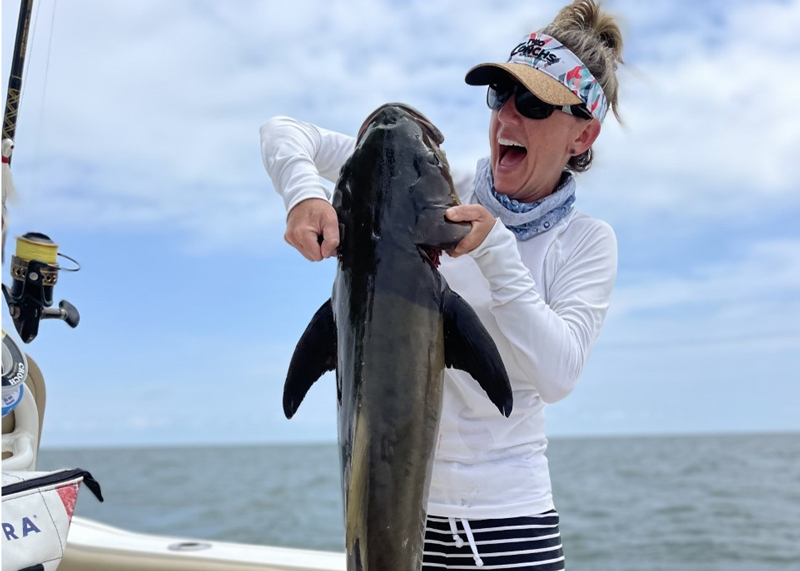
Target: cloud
(152,117)
(147,128)
(749,298)
(710,128)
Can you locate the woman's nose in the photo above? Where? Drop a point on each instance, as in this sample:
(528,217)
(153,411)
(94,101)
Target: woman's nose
(508,112)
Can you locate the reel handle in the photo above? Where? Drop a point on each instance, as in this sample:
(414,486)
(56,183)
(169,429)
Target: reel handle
(65,312)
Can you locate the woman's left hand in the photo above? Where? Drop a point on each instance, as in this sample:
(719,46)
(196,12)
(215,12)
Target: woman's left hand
(482,223)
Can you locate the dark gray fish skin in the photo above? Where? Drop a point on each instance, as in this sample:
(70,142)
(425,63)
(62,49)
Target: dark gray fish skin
(389,330)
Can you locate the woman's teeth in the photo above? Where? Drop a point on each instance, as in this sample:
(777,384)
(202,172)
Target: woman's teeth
(509,143)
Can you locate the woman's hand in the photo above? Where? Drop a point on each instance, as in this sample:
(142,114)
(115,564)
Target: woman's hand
(482,223)
(309,221)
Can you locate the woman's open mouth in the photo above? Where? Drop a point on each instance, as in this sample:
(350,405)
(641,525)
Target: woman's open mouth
(511,153)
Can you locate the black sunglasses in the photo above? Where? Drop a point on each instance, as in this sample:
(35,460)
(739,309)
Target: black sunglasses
(527,103)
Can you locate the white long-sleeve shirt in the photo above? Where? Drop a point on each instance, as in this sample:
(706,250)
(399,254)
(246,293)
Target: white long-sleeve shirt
(543,301)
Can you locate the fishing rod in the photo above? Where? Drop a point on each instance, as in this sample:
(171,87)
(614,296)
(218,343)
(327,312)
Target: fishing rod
(34,267)
(12,101)
(15,79)
(12,105)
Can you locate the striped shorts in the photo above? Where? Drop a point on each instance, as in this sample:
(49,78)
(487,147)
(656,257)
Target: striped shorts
(517,543)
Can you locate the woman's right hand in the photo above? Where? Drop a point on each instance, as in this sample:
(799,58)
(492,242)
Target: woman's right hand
(307,222)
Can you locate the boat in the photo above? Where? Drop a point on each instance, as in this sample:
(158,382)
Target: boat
(95,546)
(91,545)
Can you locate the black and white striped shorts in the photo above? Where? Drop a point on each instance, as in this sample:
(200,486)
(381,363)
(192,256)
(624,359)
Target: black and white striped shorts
(517,543)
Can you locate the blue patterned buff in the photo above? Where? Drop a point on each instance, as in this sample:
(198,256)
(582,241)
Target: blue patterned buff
(526,220)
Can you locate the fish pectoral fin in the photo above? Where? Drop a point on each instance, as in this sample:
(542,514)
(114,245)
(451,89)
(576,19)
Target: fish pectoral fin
(469,347)
(314,356)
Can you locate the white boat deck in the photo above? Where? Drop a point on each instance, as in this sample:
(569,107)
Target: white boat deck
(94,546)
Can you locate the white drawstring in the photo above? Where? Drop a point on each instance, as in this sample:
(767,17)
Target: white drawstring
(456,537)
(472,545)
(470,539)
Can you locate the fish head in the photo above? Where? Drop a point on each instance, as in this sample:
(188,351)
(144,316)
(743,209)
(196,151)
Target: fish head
(399,178)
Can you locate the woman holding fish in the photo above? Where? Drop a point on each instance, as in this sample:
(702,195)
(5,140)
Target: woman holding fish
(538,273)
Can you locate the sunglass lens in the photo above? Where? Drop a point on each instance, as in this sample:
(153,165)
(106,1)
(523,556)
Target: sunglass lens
(532,107)
(526,102)
(498,94)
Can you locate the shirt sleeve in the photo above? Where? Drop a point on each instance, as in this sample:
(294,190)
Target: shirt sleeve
(297,154)
(464,183)
(551,343)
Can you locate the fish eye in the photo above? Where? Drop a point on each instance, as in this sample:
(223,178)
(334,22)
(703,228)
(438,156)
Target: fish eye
(433,159)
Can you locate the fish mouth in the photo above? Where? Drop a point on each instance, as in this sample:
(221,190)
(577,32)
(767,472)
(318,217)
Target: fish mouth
(390,113)
(431,255)
(448,236)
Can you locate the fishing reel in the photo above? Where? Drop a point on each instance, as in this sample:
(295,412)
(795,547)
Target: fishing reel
(34,271)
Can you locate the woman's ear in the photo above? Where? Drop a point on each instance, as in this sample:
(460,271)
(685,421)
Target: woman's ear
(586,136)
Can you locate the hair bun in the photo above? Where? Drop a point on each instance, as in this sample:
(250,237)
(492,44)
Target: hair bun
(595,38)
(586,16)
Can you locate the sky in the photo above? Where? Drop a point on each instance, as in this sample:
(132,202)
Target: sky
(137,151)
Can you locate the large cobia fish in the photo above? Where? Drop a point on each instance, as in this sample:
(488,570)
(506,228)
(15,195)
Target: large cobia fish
(390,328)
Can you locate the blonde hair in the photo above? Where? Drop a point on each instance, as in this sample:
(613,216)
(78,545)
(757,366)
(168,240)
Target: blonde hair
(595,38)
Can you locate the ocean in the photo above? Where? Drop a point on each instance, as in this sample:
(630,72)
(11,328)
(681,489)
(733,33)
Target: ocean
(668,503)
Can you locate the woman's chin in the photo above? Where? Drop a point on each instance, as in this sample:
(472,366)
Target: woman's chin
(508,179)
(505,185)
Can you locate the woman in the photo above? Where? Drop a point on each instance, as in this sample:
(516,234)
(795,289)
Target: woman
(538,273)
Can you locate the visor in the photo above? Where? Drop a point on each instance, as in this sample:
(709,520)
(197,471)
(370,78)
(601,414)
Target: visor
(548,70)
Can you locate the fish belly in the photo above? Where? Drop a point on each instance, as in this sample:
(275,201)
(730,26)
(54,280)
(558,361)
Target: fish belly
(388,434)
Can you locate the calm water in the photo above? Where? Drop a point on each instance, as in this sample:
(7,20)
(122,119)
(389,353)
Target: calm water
(689,503)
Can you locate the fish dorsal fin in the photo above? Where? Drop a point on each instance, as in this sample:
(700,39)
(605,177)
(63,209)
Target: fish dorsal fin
(314,356)
(469,347)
